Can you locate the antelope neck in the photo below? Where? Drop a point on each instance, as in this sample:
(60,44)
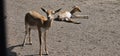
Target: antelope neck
(72,11)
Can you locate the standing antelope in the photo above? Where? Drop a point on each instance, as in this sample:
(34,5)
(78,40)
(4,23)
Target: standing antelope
(66,15)
(34,19)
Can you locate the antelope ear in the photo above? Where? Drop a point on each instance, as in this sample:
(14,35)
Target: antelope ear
(43,10)
(57,10)
(74,6)
(80,11)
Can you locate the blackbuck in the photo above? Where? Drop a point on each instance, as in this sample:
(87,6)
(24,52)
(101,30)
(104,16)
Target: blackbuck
(67,15)
(34,19)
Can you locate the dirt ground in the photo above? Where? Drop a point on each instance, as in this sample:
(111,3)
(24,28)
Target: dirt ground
(97,36)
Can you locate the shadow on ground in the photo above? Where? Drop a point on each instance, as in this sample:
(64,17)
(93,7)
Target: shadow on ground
(36,55)
(74,22)
(12,53)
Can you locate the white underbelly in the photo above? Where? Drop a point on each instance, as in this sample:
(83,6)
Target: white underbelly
(65,15)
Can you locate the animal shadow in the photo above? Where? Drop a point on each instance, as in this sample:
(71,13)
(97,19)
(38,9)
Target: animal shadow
(12,53)
(74,22)
(36,55)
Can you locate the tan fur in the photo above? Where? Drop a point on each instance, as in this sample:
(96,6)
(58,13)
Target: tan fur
(68,14)
(35,19)
(37,15)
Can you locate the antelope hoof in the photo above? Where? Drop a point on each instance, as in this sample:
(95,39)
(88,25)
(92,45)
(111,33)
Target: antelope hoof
(40,54)
(23,45)
(77,23)
(46,53)
(30,43)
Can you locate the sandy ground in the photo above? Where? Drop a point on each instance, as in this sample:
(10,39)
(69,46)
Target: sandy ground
(97,36)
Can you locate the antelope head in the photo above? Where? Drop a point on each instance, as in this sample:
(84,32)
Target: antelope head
(50,13)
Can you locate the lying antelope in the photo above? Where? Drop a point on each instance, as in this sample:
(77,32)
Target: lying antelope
(66,15)
(34,19)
